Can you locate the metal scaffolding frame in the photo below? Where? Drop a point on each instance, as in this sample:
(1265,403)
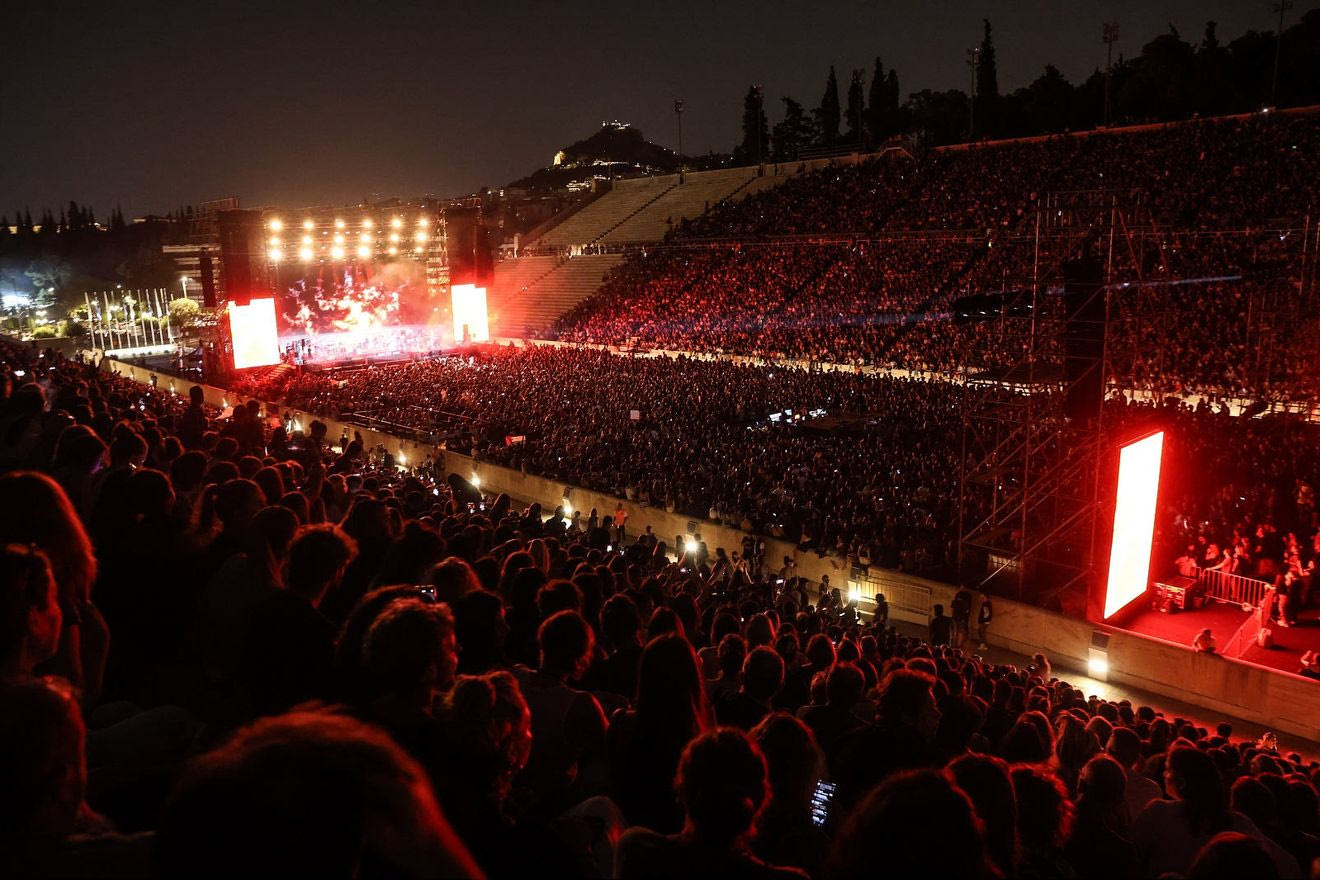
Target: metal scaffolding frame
(1029,473)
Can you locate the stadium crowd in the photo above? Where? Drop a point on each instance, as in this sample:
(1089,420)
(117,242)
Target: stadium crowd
(710,439)
(861,264)
(233,651)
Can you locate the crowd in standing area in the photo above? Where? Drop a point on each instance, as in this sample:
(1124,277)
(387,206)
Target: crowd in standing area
(231,650)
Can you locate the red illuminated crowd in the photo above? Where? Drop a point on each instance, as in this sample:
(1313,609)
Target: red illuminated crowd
(861,264)
(230,650)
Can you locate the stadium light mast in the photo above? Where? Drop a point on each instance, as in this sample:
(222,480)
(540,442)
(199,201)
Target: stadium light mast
(974,64)
(1281,6)
(1110,37)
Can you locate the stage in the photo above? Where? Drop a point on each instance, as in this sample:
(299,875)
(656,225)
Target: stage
(1224,621)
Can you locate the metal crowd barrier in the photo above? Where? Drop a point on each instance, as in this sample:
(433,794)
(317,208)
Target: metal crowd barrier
(1233,588)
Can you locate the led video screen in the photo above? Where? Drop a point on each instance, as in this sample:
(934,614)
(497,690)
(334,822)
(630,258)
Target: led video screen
(256,338)
(470,315)
(1134,522)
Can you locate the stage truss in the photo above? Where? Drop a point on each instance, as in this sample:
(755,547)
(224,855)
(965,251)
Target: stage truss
(1029,472)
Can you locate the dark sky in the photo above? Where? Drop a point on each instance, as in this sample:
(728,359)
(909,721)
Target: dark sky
(153,105)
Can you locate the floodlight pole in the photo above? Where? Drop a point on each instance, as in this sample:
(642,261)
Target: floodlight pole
(678,114)
(1281,6)
(1110,37)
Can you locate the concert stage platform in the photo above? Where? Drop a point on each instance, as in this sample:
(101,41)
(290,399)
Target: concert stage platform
(1225,620)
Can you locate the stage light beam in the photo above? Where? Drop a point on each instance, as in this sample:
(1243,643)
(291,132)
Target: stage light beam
(1134,522)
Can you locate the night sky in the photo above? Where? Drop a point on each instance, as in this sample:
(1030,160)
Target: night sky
(154,105)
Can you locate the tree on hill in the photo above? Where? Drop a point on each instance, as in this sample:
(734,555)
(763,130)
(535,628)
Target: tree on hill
(827,114)
(987,86)
(795,133)
(856,113)
(755,128)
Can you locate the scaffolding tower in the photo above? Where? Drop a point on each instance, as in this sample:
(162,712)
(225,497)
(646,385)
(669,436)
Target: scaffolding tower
(1032,437)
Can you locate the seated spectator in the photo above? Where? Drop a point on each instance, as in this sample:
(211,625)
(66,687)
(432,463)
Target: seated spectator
(568,725)
(308,794)
(762,677)
(646,742)
(47,828)
(916,823)
(30,617)
(785,831)
(1169,833)
(1098,846)
(289,645)
(986,781)
(722,785)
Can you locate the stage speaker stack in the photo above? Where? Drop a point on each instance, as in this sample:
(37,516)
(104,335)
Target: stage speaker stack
(467,247)
(242,257)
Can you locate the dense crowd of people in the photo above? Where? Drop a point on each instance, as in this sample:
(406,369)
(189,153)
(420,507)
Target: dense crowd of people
(856,464)
(231,651)
(861,264)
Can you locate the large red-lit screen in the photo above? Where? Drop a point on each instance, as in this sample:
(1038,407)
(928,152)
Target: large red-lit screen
(1134,522)
(256,339)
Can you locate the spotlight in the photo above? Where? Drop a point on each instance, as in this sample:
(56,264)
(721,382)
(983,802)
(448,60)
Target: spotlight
(337,252)
(274,241)
(276,225)
(421,236)
(423,222)
(396,223)
(275,255)
(306,239)
(476,481)
(690,545)
(394,237)
(339,239)
(339,224)
(305,254)
(393,250)
(308,224)
(363,252)
(367,223)
(364,237)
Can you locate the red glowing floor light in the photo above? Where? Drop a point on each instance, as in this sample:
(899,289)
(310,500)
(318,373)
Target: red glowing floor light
(1134,522)
(256,338)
